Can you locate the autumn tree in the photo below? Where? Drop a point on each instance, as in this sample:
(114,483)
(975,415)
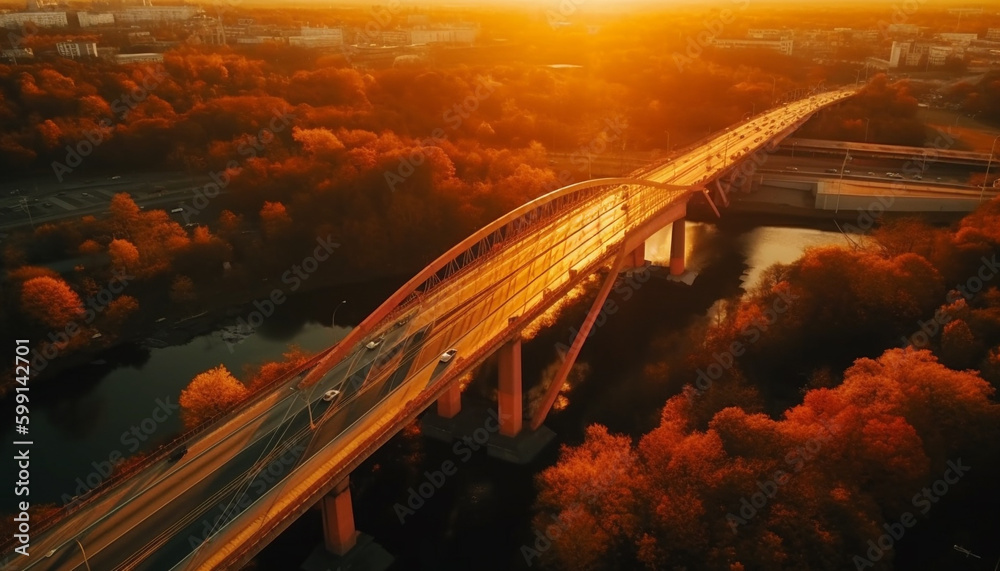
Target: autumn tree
(830,471)
(124,254)
(269,372)
(209,394)
(274,219)
(182,290)
(50,301)
(125,214)
(119,310)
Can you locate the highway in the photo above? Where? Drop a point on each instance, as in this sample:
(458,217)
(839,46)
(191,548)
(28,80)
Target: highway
(47,200)
(472,299)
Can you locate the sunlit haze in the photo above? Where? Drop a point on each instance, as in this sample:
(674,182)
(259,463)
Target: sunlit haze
(499,285)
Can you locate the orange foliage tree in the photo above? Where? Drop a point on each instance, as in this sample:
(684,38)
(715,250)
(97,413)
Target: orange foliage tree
(209,394)
(51,301)
(829,472)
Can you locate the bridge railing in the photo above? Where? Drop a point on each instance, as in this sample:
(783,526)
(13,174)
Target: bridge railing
(162,452)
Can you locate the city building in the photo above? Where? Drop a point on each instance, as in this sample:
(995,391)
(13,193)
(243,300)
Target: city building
(315,41)
(993,34)
(910,29)
(88,19)
(781,46)
(40,19)
(444,35)
(938,55)
(768,33)
(77,50)
(393,38)
(963,39)
(326,32)
(15,54)
(145,14)
(897,56)
(138,58)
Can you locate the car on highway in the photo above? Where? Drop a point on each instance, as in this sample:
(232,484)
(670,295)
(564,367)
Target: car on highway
(177,454)
(917,177)
(330,395)
(447,355)
(870,173)
(792,168)
(375,342)
(84,194)
(116,177)
(831,170)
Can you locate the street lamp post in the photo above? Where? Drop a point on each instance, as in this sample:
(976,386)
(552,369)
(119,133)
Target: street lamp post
(333,319)
(725,153)
(774,82)
(867,120)
(989,163)
(840,185)
(668,140)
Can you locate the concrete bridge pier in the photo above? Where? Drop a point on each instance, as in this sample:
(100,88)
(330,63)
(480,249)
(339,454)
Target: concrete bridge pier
(339,534)
(677,247)
(636,258)
(450,403)
(479,425)
(509,403)
(343,546)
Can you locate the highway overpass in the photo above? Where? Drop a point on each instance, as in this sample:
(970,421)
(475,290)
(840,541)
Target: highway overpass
(941,152)
(248,476)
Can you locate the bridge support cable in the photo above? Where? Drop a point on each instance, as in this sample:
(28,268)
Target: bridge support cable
(569,359)
(723,198)
(509,399)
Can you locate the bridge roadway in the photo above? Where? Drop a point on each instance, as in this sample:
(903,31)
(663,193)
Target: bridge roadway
(243,483)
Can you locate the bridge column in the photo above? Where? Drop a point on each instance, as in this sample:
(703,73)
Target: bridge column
(636,258)
(509,396)
(677,247)
(450,402)
(338,519)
